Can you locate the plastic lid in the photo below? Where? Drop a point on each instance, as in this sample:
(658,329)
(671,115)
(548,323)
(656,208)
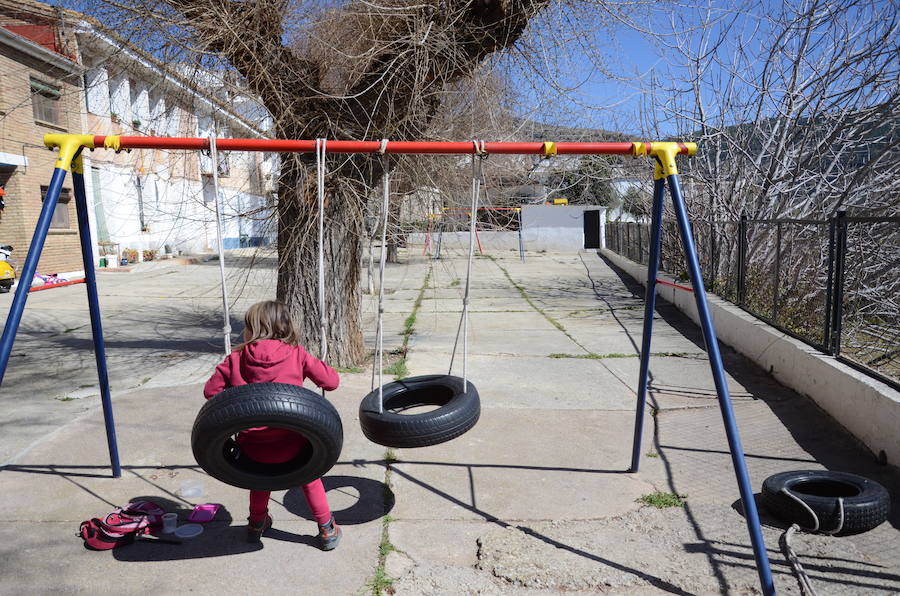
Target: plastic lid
(189,530)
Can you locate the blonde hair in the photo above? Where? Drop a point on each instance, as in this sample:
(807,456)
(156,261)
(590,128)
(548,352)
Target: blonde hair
(268,319)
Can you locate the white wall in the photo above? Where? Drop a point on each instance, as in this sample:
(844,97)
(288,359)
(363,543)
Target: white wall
(174,213)
(490,241)
(554,228)
(97,91)
(558,227)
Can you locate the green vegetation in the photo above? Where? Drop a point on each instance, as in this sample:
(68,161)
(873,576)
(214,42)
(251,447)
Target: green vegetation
(589,183)
(662,500)
(399,368)
(652,454)
(381,583)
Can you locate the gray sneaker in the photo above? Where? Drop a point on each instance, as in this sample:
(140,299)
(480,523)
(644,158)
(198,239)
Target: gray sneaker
(330,535)
(255,530)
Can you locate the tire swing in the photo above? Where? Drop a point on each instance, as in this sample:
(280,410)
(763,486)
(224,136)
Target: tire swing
(278,405)
(827,502)
(381,413)
(833,503)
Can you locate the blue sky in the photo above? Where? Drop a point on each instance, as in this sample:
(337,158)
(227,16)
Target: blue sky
(601,70)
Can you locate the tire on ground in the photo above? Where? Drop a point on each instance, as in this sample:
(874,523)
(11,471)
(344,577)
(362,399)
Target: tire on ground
(266,404)
(866,503)
(458,410)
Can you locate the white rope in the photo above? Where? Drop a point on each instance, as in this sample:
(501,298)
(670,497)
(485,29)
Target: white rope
(477,177)
(386,191)
(226,327)
(803,579)
(320,187)
(806,587)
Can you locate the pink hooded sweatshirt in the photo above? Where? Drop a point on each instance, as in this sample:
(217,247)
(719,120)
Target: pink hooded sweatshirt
(270,361)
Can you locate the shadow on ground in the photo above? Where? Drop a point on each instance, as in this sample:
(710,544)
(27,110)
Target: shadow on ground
(817,434)
(374,499)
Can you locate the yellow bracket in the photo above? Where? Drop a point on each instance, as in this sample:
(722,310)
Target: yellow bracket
(664,154)
(549,149)
(68,147)
(78,165)
(113,142)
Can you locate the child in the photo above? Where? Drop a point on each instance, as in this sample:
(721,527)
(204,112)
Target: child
(271,354)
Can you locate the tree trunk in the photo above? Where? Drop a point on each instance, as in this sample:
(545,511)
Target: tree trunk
(298,262)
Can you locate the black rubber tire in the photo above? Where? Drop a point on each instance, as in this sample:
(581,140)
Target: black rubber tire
(458,411)
(866,503)
(266,404)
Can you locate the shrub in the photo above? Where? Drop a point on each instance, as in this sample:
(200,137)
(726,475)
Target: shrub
(130,255)
(149,255)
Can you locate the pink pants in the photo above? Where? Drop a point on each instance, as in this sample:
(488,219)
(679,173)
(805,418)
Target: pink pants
(275,446)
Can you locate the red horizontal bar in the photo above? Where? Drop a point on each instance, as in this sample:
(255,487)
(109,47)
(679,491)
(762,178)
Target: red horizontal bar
(48,286)
(595,148)
(668,283)
(433,147)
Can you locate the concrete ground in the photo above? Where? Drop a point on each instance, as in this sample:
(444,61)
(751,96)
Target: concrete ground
(536,499)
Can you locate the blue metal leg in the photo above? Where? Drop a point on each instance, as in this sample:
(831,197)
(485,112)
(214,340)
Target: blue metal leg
(718,372)
(34,254)
(659,191)
(96,328)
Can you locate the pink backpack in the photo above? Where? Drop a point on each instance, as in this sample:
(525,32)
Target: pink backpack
(122,526)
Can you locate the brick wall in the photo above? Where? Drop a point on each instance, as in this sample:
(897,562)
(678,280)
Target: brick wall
(20,134)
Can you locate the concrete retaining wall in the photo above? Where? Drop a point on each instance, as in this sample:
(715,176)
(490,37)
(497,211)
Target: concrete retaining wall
(866,407)
(490,241)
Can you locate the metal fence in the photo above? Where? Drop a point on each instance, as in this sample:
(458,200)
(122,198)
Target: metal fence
(834,284)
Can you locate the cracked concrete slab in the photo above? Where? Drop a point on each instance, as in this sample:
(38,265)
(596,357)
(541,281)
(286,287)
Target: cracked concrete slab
(513,381)
(536,499)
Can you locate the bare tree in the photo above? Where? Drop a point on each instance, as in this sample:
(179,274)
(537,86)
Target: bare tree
(361,70)
(794,107)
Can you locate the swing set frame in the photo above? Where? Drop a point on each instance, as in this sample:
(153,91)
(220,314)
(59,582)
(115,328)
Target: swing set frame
(447,211)
(71,146)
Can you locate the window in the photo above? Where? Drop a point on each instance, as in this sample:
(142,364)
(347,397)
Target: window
(60,219)
(45,101)
(224,156)
(224,165)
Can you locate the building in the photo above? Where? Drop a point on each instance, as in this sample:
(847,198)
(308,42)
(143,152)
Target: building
(160,200)
(64,72)
(40,94)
